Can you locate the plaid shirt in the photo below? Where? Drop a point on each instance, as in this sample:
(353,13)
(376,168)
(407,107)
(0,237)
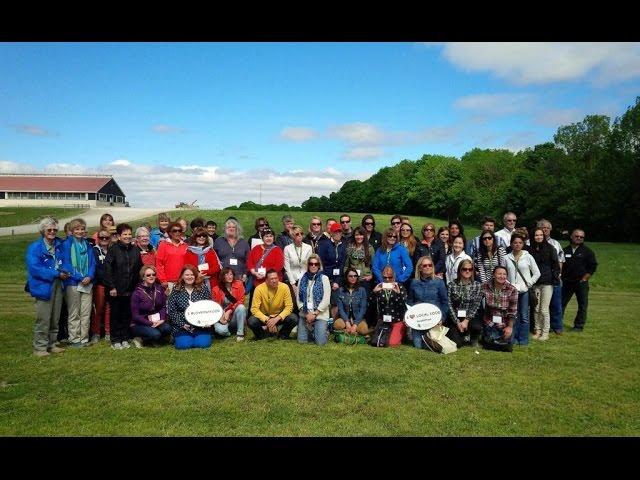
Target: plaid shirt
(503,303)
(464,297)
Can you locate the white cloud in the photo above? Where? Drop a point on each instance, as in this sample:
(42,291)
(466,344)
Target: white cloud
(520,141)
(542,63)
(557,117)
(298,134)
(7,166)
(497,103)
(120,163)
(363,153)
(358,134)
(166,129)
(33,130)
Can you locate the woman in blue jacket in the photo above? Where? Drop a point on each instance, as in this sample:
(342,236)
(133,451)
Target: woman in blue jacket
(78,259)
(427,288)
(44,281)
(352,305)
(393,254)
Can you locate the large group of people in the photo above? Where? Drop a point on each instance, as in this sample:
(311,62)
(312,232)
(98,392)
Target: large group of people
(499,288)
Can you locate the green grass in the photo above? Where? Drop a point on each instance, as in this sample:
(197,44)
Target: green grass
(574,385)
(14,216)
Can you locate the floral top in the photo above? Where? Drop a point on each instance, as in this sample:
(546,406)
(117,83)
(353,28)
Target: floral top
(391,303)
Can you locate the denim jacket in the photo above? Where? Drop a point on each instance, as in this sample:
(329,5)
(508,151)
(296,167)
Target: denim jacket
(429,291)
(358,301)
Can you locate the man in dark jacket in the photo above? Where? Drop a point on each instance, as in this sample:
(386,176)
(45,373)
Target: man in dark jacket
(121,275)
(580,263)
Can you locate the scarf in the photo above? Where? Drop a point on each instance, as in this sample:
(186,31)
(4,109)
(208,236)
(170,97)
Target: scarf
(318,290)
(199,251)
(79,257)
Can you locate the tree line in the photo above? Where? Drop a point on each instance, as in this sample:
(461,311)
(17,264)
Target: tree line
(588,177)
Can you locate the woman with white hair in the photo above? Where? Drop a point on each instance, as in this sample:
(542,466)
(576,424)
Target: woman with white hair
(232,249)
(143,241)
(44,282)
(78,259)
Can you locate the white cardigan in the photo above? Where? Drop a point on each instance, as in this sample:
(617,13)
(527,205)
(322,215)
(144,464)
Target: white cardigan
(452,265)
(528,268)
(294,267)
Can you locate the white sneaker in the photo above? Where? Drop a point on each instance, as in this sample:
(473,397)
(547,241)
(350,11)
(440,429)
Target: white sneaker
(117,346)
(544,337)
(137,341)
(95,339)
(240,338)
(125,344)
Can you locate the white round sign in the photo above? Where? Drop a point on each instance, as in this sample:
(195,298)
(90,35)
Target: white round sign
(422,316)
(203,313)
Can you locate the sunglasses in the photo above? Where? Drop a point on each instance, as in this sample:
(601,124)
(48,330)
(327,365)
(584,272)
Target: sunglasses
(391,236)
(313,264)
(298,234)
(202,235)
(176,231)
(149,274)
(51,230)
(316,224)
(396,223)
(467,269)
(428,230)
(511,220)
(345,221)
(427,265)
(104,238)
(369,223)
(487,238)
(387,278)
(351,275)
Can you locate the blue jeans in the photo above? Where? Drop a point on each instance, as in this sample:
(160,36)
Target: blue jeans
(150,333)
(187,340)
(416,336)
(318,335)
(236,323)
(555,309)
(521,324)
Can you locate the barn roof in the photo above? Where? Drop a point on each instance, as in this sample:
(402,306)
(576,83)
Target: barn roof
(52,183)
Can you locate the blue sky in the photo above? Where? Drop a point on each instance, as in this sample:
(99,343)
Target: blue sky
(219,121)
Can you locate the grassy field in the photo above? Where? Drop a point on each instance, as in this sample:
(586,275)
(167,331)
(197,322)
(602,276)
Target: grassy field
(10,217)
(574,385)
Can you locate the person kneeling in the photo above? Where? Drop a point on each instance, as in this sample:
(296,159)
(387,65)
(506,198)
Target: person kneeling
(314,295)
(272,306)
(189,288)
(390,299)
(148,309)
(229,293)
(352,306)
(501,299)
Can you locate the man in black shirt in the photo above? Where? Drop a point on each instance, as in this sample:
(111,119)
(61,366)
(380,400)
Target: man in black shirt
(580,263)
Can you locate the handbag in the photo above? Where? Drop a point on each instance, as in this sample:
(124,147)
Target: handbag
(381,335)
(439,335)
(347,338)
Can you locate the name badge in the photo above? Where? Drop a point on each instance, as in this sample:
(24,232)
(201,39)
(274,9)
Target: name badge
(567,255)
(336,271)
(154,317)
(386,318)
(233,261)
(262,271)
(462,314)
(203,266)
(310,306)
(497,319)
(358,272)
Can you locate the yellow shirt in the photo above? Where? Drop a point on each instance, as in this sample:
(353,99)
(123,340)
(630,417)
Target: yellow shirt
(267,302)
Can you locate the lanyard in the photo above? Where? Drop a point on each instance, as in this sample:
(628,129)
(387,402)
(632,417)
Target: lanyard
(299,255)
(149,296)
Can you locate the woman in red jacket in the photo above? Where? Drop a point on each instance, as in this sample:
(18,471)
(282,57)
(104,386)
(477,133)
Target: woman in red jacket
(229,293)
(265,257)
(202,255)
(170,257)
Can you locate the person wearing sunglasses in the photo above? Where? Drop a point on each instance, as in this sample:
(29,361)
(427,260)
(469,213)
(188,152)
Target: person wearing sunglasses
(79,260)
(359,257)
(523,273)
(390,300)
(148,309)
(345,224)
(432,246)
(313,299)
(426,287)
(393,254)
(203,256)
(333,254)
(260,224)
(408,240)
(395,223)
(296,256)
(465,305)
(315,235)
(352,305)
(44,283)
(121,276)
(488,223)
(170,257)
(488,256)
(373,237)
(101,312)
(580,264)
(509,220)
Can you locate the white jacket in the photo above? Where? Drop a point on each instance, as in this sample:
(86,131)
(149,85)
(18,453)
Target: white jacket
(295,267)
(452,265)
(528,268)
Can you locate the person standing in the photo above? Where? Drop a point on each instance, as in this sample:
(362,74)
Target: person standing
(555,307)
(285,238)
(121,275)
(161,232)
(373,237)
(547,261)
(170,256)
(233,249)
(509,221)
(44,282)
(101,312)
(315,235)
(580,264)
(345,225)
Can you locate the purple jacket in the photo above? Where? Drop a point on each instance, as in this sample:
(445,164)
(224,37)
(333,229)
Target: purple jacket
(142,304)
